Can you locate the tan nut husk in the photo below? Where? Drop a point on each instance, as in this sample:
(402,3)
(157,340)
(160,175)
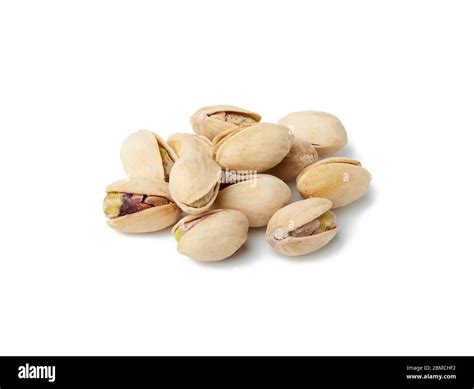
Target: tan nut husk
(323,130)
(194,182)
(217,235)
(182,142)
(141,155)
(258,197)
(149,220)
(255,147)
(341,180)
(211,121)
(301,154)
(294,216)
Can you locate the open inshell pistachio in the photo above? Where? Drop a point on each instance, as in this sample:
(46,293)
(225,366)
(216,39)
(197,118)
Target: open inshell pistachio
(145,154)
(211,121)
(323,130)
(338,179)
(257,196)
(301,154)
(140,205)
(182,142)
(302,227)
(211,236)
(255,147)
(194,182)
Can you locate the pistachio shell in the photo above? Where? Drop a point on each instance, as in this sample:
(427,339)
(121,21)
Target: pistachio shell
(148,220)
(140,185)
(217,236)
(194,178)
(255,147)
(181,142)
(258,198)
(323,130)
(301,154)
(211,121)
(141,155)
(294,216)
(338,179)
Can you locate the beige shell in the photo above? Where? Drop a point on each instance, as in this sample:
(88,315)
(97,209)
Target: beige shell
(338,179)
(301,154)
(182,142)
(293,216)
(149,220)
(141,157)
(206,125)
(254,147)
(257,197)
(216,237)
(323,130)
(193,177)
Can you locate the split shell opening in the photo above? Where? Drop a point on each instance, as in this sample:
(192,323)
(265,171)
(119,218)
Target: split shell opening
(211,121)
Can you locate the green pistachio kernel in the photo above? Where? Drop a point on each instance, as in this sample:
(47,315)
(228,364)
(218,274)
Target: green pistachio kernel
(112,204)
(326,222)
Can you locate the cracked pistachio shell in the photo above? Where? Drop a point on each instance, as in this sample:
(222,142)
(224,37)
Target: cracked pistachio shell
(148,220)
(341,180)
(142,155)
(293,216)
(217,236)
(254,147)
(211,121)
(301,154)
(182,142)
(258,198)
(194,182)
(323,130)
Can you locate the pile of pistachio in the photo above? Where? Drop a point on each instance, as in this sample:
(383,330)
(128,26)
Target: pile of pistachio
(230,175)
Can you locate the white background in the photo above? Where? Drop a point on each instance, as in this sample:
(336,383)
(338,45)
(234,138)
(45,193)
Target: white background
(78,76)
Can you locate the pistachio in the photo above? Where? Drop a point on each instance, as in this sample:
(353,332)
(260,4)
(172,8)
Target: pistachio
(258,197)
(256,147)
(140,205)
(194,182)
(181,142)
(211,121)
(323,130)
(338,179)
(301,154)
(302,227)
(211,236)
(145,154)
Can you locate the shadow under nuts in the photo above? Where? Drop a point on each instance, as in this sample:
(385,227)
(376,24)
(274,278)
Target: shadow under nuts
(140,205)
(338,179)
(323,130)
(211,121)
(257,196)
(255,147)
(211,236)
(302,227)
(145,154)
